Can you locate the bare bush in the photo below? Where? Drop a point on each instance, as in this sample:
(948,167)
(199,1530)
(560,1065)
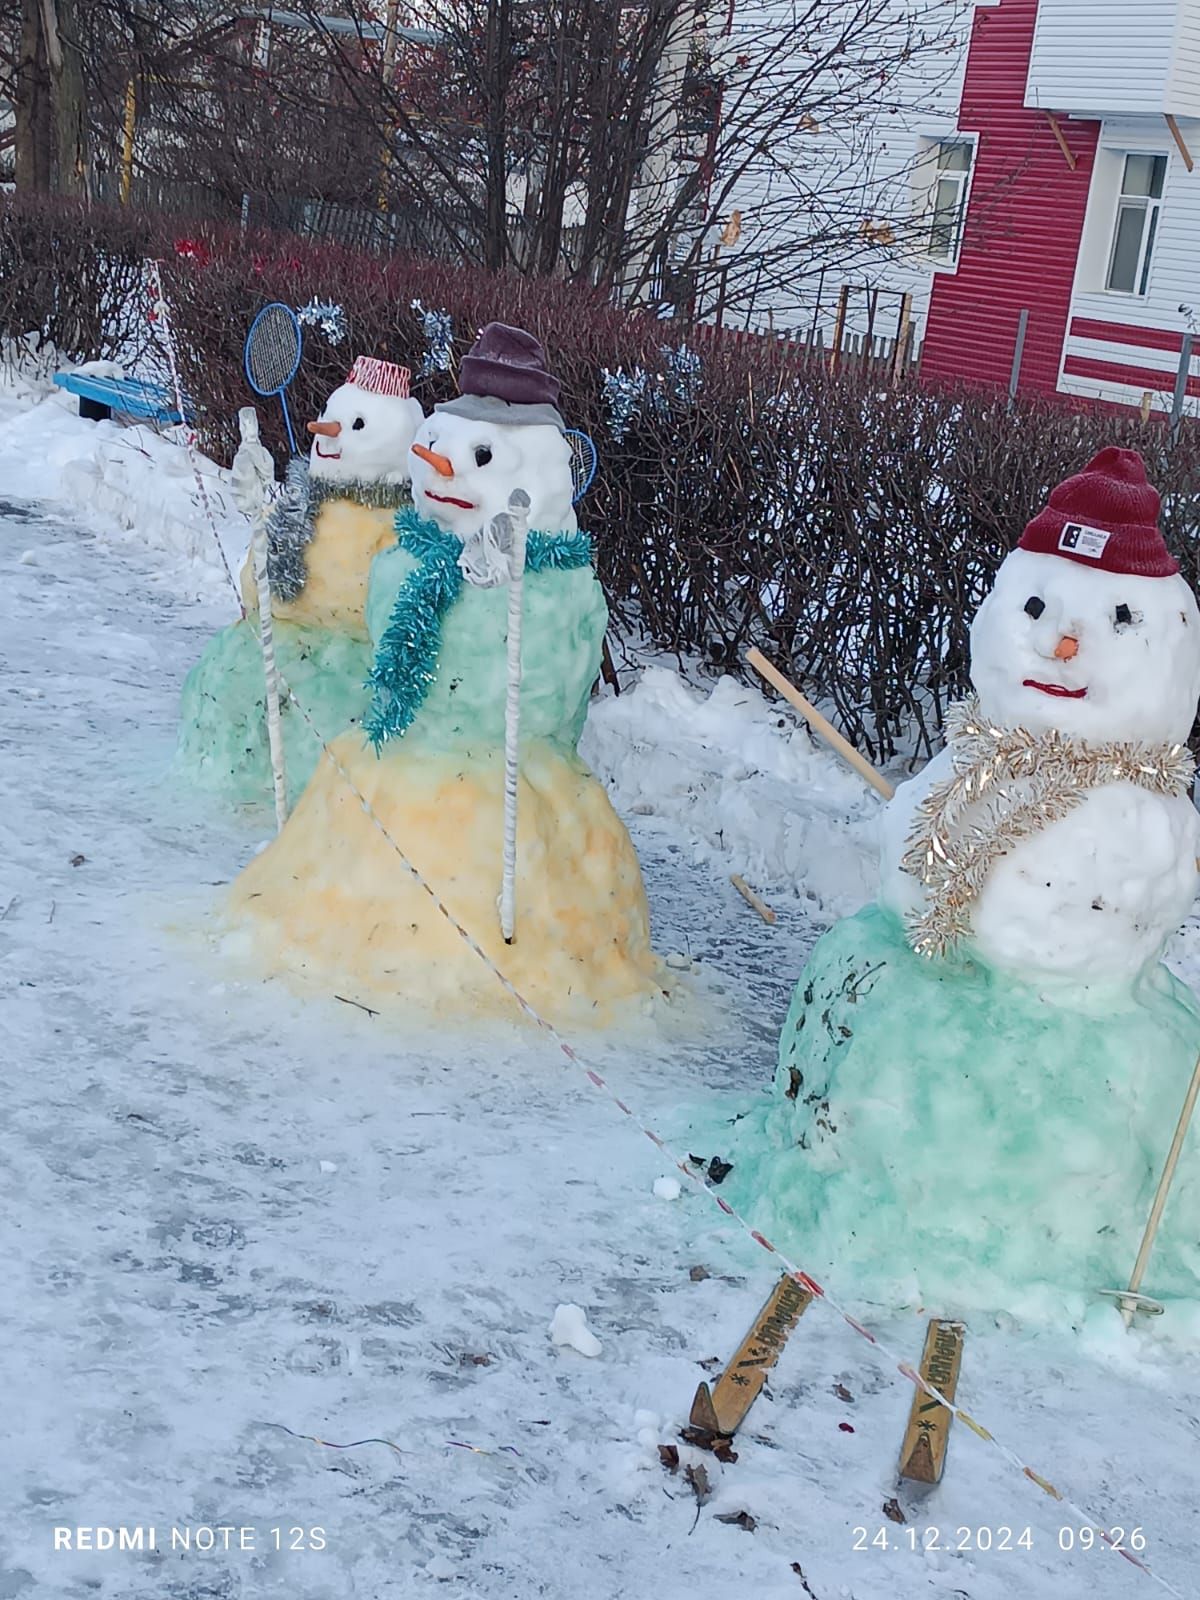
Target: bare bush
(847,526)
(72,278)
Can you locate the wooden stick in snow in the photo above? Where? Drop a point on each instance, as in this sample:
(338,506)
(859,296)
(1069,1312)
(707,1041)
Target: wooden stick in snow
(1132,1296)
(923,1453)
(751,899)
(819,724)
(720,1410)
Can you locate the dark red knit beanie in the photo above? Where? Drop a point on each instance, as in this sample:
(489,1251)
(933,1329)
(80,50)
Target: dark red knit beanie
(1107,517)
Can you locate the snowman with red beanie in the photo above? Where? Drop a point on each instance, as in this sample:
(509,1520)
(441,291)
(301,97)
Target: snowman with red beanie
(1071,760)
(980,1073)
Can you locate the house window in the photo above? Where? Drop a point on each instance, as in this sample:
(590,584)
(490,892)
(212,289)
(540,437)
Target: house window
(1138,208)
(948,198)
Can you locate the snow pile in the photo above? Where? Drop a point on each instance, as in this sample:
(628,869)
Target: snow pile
(27,368)
(568,1326)
(128,482)
(746,785)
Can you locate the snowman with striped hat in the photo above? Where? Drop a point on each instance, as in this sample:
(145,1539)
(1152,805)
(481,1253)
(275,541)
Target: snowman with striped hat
(333,515)
(367,425)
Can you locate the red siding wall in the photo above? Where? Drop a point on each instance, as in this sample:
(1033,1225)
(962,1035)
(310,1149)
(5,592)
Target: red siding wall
(1024,220)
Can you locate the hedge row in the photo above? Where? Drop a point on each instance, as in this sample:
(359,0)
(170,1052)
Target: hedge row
(847,526)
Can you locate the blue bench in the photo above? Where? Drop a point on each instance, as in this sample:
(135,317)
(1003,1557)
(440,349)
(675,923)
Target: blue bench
(130,397)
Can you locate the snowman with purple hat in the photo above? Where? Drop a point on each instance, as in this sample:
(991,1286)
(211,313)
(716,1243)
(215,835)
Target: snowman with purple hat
(330,895)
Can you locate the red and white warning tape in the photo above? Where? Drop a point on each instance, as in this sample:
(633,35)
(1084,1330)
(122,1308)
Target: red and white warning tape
(1084,1518)
(160,312)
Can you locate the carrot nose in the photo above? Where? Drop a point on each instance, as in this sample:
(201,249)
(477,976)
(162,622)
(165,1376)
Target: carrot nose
(1067,648)
(327,430)
(440,464)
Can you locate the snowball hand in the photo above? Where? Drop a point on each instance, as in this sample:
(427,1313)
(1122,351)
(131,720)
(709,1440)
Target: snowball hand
(485,555)
(253,470)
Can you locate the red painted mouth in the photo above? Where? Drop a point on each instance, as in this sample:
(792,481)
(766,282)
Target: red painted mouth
(449,500)
(1055,689)
(327,455)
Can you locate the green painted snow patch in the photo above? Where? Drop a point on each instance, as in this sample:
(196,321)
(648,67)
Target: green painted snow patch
(223,724)
(946,1137)
(564,618)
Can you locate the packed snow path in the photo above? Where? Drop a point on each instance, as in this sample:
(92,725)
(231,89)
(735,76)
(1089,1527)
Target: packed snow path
(225,1208)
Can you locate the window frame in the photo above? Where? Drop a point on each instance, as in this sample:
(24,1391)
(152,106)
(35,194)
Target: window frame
(929,174)
(1151,208)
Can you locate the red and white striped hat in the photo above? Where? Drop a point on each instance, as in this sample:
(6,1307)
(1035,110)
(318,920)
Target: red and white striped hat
(379,377)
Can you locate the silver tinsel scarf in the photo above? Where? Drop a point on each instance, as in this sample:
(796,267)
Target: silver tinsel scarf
(1008,784)
(293,515)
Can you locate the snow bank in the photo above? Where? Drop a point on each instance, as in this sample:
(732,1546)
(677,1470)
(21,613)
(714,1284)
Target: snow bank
(128,483)
(743,782)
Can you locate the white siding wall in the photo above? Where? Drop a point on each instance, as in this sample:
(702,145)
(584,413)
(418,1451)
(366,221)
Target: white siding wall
(1183,90)
(883,162)
(1175,265)
(1116,57)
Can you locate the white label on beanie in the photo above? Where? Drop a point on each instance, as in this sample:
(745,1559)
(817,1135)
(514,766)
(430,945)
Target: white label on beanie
(1083,541)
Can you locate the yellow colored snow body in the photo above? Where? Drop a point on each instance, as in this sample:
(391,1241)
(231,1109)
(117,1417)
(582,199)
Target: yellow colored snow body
(330,899)
(346,538)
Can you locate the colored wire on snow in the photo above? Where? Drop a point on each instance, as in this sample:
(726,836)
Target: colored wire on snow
(1084,1518)
(477,1450)
(355,1444)
(311,1438)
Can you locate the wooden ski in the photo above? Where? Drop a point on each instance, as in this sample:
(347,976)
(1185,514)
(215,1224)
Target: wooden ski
(722,1409)
(923,1454)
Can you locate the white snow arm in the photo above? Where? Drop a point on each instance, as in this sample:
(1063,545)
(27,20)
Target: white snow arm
(253,470)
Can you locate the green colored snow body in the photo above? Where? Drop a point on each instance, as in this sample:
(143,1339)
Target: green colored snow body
(946,1137)
(223,725)
(564,619)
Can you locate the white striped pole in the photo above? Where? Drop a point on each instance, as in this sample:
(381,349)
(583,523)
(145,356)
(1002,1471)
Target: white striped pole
(518,511)
(248,424)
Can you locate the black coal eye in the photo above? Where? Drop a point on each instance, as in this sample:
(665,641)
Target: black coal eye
(359,423)
(1123,616)
(1034,607)
(482,456)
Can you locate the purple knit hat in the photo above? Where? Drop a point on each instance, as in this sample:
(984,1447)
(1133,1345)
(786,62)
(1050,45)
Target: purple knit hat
(508,364)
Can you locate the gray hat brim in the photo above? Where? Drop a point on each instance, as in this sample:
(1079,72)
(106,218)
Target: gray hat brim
(487,408)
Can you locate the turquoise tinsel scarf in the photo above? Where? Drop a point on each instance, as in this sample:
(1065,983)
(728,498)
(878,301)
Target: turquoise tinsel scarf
(406,659)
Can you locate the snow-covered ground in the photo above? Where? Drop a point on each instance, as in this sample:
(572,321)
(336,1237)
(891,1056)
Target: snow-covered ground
(230,1213)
